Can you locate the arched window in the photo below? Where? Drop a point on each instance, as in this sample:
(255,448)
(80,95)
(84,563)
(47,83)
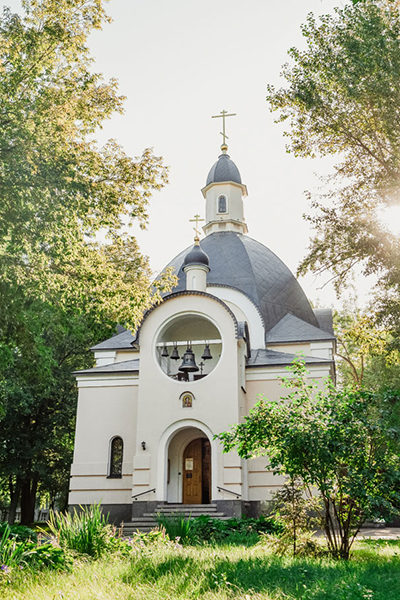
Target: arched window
(116,454)
(222,204)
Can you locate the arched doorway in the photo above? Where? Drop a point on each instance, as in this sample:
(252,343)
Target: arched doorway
(189,467)
(196,472)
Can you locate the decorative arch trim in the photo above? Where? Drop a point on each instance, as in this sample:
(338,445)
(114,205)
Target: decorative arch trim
(187,293)
(232,287)
(162,457)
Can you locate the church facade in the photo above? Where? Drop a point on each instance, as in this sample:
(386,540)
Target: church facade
(149,409)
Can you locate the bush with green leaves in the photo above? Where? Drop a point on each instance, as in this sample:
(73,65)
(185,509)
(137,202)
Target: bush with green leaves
(298,514)
(27,553)
(239,531)
(19,532)
(86,531)
(341,443)
(282,545)
(176,526)
(207,529)
(11,551)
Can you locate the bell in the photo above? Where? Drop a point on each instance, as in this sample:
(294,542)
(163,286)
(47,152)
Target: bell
(175,353)
(188,364)
(164,351)
(206,353)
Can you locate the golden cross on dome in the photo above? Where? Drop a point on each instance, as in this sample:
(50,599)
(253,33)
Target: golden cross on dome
(196,220)
(223,115)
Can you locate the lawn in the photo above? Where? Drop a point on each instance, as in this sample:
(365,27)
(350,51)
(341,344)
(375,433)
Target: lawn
(218,572)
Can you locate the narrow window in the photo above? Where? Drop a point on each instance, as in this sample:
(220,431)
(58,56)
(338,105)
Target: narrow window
(222,204)
(117,450)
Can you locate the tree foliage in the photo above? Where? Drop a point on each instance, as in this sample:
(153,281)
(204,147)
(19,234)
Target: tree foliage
(367,356)
(69,271)
(342,98)
(343,443)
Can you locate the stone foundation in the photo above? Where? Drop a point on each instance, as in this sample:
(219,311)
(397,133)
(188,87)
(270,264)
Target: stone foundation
(239,508)
(117,513)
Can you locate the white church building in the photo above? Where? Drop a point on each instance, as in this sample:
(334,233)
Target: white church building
(150,408)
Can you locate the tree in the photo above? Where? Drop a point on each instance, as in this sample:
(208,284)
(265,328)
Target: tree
(61,288)
(367,356)
(343,98)
(343,443)
(294,508)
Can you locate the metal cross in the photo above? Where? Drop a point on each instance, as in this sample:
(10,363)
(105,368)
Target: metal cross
(196,220)
(223,115)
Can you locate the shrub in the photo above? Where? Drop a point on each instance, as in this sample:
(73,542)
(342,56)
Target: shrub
(205,528)
(11,551)
(15,553)
(306,544)
(45,555)
(176,526)
(298,514)
(86,531)
(18,532)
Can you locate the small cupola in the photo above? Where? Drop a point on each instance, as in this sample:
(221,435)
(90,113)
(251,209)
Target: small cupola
(224,192)
(224,170)
(196,265)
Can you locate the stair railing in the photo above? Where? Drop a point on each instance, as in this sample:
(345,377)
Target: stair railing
(136,496)
(221,489)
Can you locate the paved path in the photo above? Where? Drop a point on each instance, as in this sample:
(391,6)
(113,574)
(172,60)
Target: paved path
(382,533)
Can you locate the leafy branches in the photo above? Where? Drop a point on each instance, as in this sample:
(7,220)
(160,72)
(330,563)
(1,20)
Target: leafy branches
(342,98)
(69,272)
(344,444)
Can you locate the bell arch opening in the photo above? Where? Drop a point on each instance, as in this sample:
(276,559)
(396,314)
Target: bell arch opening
(188,347)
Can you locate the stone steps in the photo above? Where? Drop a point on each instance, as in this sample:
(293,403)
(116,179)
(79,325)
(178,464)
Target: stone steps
(148,520)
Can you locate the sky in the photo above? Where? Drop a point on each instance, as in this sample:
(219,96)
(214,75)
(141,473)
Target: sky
(180,61)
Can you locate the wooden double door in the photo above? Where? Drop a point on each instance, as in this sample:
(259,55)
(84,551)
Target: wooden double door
(197,472)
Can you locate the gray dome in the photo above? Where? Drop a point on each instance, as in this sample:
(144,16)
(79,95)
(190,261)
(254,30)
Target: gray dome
(196,256)
(224,170)
(240,262)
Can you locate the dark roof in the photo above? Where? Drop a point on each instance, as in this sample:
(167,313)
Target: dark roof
(126,366)
(223,170)
(239,262)
(325,319)
(293,329)
(121,341)
(269,358)
(196,256)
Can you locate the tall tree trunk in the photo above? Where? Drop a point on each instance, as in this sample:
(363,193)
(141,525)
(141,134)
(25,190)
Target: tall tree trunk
(28,499)
(15,491)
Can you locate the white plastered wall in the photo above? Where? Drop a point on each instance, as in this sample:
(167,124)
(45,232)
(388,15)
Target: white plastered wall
(107,357)
(244,310)
(160,412)
(107,408)
(233,219)
(321,349)
(266,382)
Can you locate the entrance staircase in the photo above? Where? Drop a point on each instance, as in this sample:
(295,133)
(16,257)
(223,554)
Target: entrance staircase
(149,520)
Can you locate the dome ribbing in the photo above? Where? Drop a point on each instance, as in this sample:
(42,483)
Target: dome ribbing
(224,170)
(242,263)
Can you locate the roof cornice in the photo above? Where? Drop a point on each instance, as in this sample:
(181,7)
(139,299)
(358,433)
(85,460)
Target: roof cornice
(234,183)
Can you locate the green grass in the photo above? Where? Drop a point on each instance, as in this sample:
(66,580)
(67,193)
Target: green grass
(216,573)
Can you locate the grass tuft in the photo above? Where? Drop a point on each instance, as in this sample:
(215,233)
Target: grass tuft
(86,531)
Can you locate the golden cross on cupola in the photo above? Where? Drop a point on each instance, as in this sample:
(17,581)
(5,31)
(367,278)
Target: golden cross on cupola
(223,114)
(196,220)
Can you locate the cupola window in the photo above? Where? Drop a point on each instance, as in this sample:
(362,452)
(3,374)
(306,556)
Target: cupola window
(116,455)
(222,204)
